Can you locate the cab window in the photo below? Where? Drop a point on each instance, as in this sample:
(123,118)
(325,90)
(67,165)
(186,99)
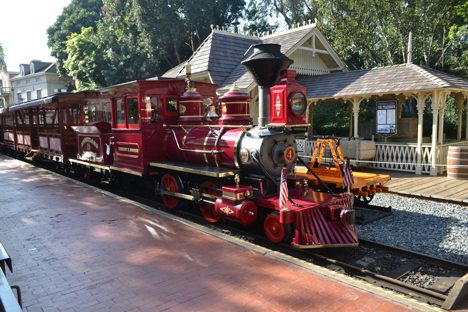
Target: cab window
(127,113)
(132,112)
(120,113)
(150,110)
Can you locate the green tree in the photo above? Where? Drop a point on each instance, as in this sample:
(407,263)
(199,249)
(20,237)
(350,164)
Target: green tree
(2,56)
(79,13)
(85,59)
(173,29)
(369,33)
(256,17)
(126,56)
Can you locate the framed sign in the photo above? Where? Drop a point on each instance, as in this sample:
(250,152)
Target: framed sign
(386,118)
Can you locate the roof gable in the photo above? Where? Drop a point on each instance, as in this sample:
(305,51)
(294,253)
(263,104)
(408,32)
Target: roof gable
(221,54)
(291,41)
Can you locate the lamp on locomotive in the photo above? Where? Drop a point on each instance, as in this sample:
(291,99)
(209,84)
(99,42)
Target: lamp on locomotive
(288,102)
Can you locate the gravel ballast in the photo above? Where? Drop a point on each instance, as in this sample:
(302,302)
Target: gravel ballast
(435,228)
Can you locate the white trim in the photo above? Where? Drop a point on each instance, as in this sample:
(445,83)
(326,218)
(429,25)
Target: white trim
(217,31)
(314,50)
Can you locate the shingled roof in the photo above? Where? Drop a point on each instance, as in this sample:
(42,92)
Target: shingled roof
(221,54)
(380,80)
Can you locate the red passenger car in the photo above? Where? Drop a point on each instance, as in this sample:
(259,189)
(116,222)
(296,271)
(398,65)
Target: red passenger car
(42,129)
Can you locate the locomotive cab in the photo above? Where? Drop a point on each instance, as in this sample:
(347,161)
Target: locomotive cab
(140,111)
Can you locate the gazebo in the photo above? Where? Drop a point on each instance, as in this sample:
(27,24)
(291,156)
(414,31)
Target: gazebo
(400,83)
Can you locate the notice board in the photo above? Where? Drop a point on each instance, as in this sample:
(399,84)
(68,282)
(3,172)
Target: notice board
(386,118)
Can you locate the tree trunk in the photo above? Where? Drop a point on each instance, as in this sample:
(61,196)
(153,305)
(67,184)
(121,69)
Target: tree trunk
(390,57)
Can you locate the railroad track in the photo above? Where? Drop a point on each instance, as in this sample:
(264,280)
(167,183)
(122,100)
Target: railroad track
(422,277)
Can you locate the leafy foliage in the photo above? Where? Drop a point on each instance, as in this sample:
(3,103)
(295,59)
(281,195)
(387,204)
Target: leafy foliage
(85,59)
(2,56)
(78,14)
(134,39)
(256,16)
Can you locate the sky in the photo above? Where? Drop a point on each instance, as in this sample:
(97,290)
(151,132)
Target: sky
(23,26)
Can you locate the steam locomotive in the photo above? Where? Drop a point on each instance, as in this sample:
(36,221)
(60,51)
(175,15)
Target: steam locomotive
(167,132)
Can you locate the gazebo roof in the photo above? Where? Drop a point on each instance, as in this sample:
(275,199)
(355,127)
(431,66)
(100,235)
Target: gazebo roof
(380,80)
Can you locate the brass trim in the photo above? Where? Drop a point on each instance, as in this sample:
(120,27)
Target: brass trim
(129,171)
(234,115)
(324,246)
(233,196)
(204,147)
(236,161)
(246,103)
(190,101)
(190,116)
(165,145)
(183,143)
(287,126)
(162,191)
(206,126)
(195,171)
(82,162)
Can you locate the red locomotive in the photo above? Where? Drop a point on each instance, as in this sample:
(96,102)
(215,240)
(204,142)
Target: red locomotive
(161,131)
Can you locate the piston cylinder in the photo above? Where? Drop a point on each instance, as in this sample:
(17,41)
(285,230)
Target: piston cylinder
(245,212)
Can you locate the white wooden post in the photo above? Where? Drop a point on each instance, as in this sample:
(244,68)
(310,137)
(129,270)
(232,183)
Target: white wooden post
(356,103)
(435,108)
(442,106)
(350,111)
(459,99)
(420,107)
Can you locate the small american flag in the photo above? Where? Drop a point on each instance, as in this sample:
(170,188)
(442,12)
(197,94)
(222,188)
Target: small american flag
(284,194)
(348,177)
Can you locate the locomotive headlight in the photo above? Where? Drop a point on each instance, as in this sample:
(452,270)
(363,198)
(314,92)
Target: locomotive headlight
(298,103)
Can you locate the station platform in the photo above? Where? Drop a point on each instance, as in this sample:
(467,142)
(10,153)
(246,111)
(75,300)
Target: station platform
(438,187)
(76,248)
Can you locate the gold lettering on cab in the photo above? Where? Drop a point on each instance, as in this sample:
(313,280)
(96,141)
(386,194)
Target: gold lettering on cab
(127,149)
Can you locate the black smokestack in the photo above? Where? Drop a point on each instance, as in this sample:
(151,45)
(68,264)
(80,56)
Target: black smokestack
(265,65)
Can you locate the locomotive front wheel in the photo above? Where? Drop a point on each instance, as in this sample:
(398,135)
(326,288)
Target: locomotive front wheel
(363,199)
(275,230)
(207,209)
(170,184)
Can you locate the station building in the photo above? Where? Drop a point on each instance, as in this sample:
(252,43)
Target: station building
(34,81)
(324,74)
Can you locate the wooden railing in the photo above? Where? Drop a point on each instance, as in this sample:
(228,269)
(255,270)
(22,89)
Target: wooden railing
(399,156)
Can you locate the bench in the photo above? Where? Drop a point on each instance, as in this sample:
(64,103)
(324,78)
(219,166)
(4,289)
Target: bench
(8,301)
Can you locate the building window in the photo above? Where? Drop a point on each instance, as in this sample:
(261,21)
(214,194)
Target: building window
(28,95)
(18,83)
(27,81)
(38,94)
(19,98)
(38,79)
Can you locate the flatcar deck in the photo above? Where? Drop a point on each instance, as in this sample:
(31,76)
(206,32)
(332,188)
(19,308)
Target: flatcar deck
(98,252)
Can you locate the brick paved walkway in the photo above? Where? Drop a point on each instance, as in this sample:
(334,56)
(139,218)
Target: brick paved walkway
(75,249)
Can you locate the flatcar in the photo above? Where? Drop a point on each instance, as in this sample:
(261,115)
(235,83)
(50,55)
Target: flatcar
(165,132)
